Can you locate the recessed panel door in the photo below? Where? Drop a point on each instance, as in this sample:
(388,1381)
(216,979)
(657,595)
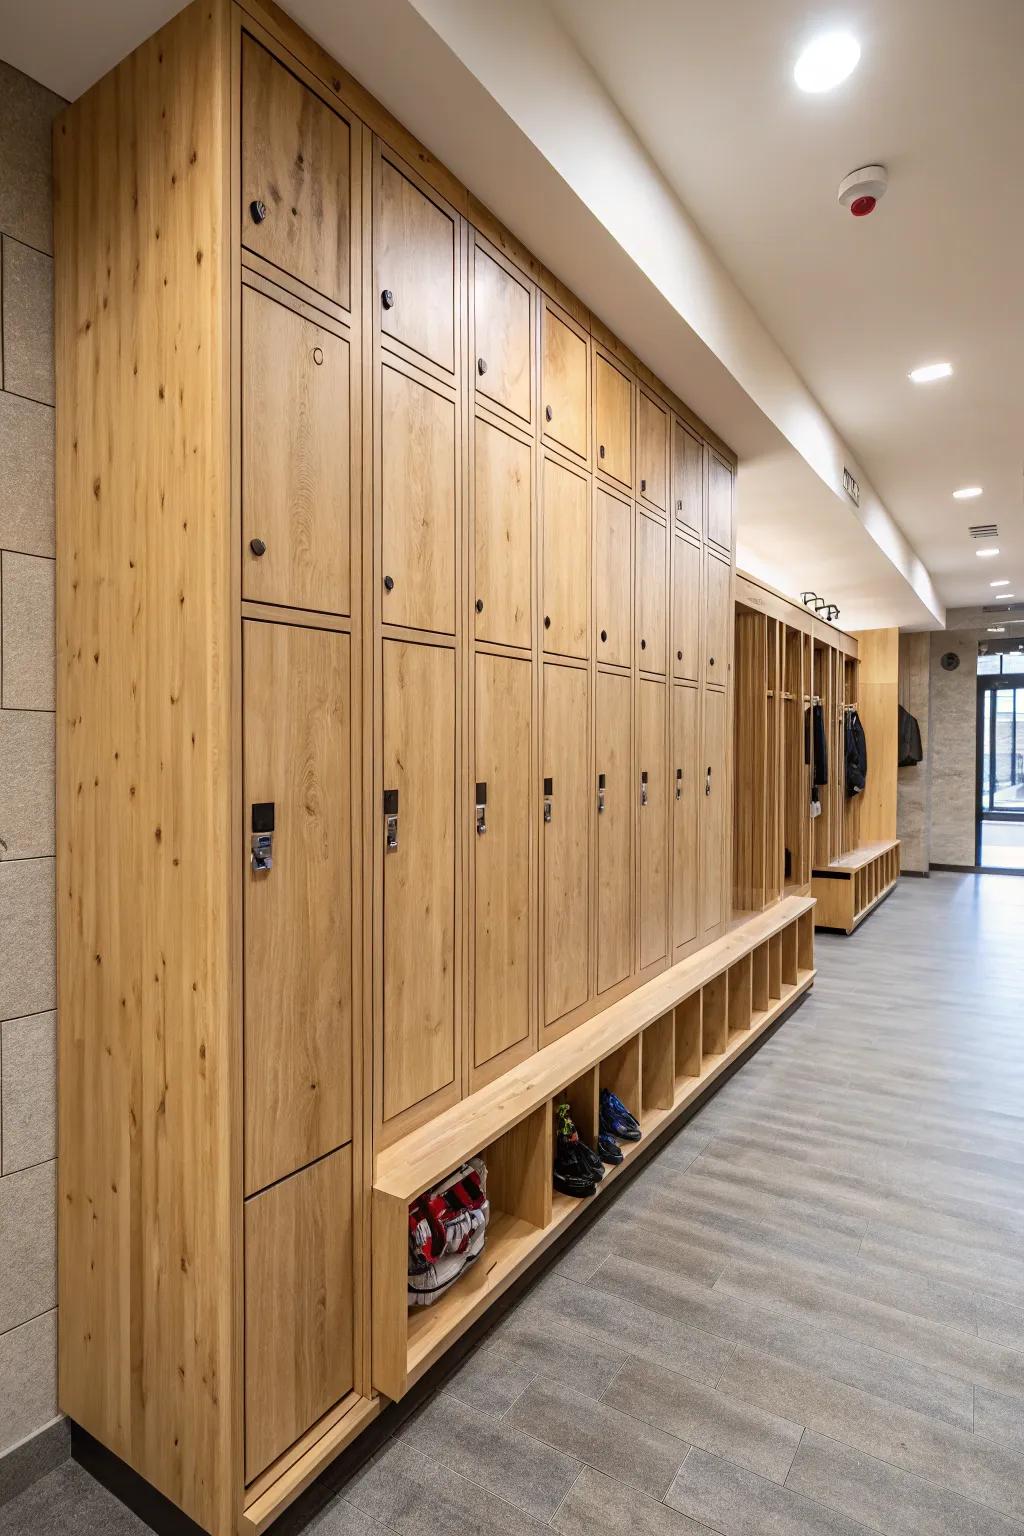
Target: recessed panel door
(501,852)
(418,487)
(613,578)
(565,365)
(415,251)
(502,321)
(720,488)
(652,749)
(717,619)
(565,836)
(503,535)
(652,451)
(418,852)
(712,793)
(684,788)
(685,642)
(565,505)
(687,478)
(613,420)
(616,802)
(651,593)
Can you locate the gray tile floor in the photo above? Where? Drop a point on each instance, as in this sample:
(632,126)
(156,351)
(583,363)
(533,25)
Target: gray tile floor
(806,1315)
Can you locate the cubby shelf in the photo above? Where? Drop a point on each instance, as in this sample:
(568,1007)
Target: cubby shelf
(850,887)
(658,1049)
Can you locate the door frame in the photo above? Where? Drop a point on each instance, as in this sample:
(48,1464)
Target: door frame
(988,684)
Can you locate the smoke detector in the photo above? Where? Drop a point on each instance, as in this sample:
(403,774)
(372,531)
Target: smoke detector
(861,190)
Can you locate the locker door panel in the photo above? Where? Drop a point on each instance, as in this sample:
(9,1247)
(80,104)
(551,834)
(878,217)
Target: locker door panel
(712,793)
(687,478)
(298,914)
(502,855)
(296,177)
(651,593)
(565,841)
(418,503)
(686,661)
(415,254)
(419,874)
(614,830)
(298,1305)
(613,581)
(501,314)
(503,534)
(296,459)
(684,782)
(652,745)
(613,420)
(652,451)
(565,362)
(566,559)
(719,502)
(717,619)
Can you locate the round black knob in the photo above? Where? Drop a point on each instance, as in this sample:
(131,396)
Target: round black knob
(257,546)
(547,621)
(389,582)
(643,645)
(479,605)
(711,661)
(258,209)
(679,506)
(318,356)
(548,413)
(601,450)
(679,655)
(643,485)
(481,365)
(387,298)
(604,634)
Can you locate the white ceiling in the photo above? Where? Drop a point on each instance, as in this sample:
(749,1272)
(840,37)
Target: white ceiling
(934,273)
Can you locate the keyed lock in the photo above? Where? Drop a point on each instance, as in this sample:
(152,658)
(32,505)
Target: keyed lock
(549,787)
(258,547)
(390,820)
(679,506)
(481,365)
(679,783)
(318,356)
(643,787)
(387,298)
(707,783)
(643,485)
(481,809)
(601,451)
(258,209)
(261,845)
(601,785)
(389,583)
(548,413)
(479,605)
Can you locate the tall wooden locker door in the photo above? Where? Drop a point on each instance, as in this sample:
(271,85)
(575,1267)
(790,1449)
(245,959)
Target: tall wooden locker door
(418,487)
(714,881)
(415,264)
(503,331)
(685,643)
(651,451)
(502,535)
(652,750)
(501,855)
(720,489)
(687,479)
(613,420)
(565,840)
(615,807)
(685,790)
(565,516)
(565,383)
(298,958)
(651,593)
(613,578)
(718,619)
(418,851)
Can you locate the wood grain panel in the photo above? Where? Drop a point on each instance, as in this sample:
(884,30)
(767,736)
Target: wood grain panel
(651,593)
(720,491)
(687,478)
(613,578)
(717,619)
(878,699)
(613,420)
(502,313)
(651,450)
(418,470)
(503,535)
(566,840)
(414,255)
(614,830)
(565,383)
(565,509)
(652,747)
(685,642)
(686,785)
(713,874)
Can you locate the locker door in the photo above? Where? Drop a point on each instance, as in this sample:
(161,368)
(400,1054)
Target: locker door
(613,420)
(501,315)
(566,840)
(564,502)
(686,610)
(652,451)
(296,459)
(684,784)
(415,253)
(503,535)
(614,830)
(687,478)
(296,177)
(613,582)
(651,593)
(712,793)
(501,846)
(652,747)
(717,619)
(719,502)
(298,914)
(419,513)
(564,377)
(419,873)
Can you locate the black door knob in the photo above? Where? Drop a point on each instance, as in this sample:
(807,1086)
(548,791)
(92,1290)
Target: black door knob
(548,413)
(679,655)
(318,356)
(258,209)
(387,298)
(389,582)
(643,645)
(601,451)
(711,661)
(257,546)
(604,634)
(547,621)
(481,365)
(643,485)
(679,506)
(479,605)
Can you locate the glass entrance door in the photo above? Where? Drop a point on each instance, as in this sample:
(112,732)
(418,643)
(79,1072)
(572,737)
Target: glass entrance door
(1000,774)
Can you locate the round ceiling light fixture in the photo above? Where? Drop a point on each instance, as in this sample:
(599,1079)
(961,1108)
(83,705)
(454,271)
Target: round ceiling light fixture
(862,189)
(826,62)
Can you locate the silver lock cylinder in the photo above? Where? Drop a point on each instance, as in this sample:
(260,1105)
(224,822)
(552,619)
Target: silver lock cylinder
(601,786)
(549,789)
(261,838)
(643,787)
(390,820)
(481,809)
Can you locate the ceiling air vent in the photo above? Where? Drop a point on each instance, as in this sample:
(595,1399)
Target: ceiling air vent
(984,531)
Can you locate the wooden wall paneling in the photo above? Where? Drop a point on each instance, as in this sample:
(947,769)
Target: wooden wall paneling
(417,267)
(713,835)
(565,498)
(685,642)
(653,838)
(651,602)
(877,688)
(685,788)
(720,502)
(652,450)
(565,842)
(614,760)
(503,330)
(687,491)
(502,506)
(750,771)
(613,578)
(613,419)
(565,383)
(718,617)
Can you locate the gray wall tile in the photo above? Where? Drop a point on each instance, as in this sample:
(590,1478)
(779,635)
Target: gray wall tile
(26,784)
(27,111)
(28,1249)
(26,608)
(26,476)
(28,321)
(28,1091)
(28,1378)
(27,938)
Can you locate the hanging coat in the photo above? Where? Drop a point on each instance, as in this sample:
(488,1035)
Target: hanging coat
(910,750)
(856,754)
(816,744)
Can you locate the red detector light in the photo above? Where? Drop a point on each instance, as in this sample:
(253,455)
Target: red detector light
(861,206)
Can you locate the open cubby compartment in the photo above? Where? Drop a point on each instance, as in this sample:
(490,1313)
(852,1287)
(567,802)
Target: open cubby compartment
(760,962)
(688,1034)
(715,1018)
(739,998)
(620,1072)
(581,1097)
(805,941)
(775,967)
(789,965)
(658,1068)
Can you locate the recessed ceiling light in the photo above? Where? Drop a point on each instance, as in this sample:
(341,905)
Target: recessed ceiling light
(967,493)
(826,62)
(986,554)
(997,629)
(1004,597)
(929,372)
(1004,581)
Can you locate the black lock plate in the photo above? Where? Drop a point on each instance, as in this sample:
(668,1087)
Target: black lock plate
(601,784)
(481,794)
(549,787)
(263,816)
(391,802)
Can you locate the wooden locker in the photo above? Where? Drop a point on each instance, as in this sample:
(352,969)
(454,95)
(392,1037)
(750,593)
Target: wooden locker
(686,655)
(614,769)
(652,751)
(685,787)
(296,177)
(565,383)
(718,619)
(297,457)
(565,506)
(652,450)
(651,593)
(613,579)
(713,874)
(502,320)
(419,953)
(297,1036)
(418,489)
(503,535)
(415,263)
(687,478)
(720,492)
(565,848)
(613,420)
(298,1305)
(501,849)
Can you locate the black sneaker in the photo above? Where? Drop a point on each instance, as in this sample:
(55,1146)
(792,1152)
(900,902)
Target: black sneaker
(593,1161)
(609,1150)
(572,1174)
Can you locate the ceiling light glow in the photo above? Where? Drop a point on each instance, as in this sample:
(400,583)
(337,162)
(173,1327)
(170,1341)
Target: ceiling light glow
(997,629)
(826,62)
(967,493)
(1004,581)
(929,372)
(986,554)
(1004,597)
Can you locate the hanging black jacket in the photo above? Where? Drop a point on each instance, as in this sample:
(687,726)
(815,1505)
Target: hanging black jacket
(856,754)
(910,750)
(816,745)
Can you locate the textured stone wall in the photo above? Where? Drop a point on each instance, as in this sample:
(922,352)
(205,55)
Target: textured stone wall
(953,735)
(913,816)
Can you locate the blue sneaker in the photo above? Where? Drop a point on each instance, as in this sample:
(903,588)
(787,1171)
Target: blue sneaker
(616,1119)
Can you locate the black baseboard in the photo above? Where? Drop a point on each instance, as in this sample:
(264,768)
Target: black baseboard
(25,1463)
(915,874)
(975,869)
